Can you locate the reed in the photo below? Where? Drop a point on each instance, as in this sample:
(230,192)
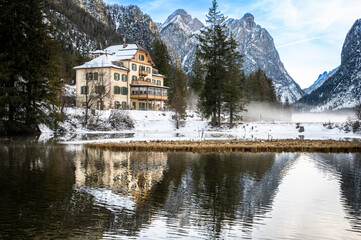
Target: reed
(319,146)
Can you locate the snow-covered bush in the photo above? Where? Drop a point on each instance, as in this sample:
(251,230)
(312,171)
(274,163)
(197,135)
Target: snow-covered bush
(119,119)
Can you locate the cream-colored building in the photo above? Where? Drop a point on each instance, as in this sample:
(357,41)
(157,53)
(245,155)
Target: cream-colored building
(121,77)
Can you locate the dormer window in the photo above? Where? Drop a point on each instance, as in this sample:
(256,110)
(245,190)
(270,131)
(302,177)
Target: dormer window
(141,57)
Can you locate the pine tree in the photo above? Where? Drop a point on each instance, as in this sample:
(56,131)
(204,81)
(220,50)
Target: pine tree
(161,59)
(29,79)
(197,76)
(213,47)
(233,98)
(178,94)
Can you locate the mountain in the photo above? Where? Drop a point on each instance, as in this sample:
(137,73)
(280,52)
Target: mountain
(81,25)
(343,88)
(179,31)
(259,51)
(320,80)
(133,24)
(255,43)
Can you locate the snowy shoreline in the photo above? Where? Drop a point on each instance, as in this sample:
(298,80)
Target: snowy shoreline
(156,125)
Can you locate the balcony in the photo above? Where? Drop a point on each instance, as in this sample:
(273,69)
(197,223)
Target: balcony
(148,97)
(143,82)
(143,73)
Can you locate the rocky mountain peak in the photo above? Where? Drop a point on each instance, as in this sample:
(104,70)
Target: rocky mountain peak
(186,18)
(352,44)
(249,20)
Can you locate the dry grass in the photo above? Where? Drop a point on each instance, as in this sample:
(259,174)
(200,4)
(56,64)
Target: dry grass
(321,146)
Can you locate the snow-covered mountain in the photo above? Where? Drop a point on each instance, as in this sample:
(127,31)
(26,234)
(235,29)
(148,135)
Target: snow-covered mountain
(259,51)
(343,88)
(133,24)
(179,31)
(320,80)
(255,43)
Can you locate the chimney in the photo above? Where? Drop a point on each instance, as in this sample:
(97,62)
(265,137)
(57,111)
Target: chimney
(124,42)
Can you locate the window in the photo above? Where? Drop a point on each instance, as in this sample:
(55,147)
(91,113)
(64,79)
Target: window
(116,76)
(89,76)
(153,81)
(134,90)
(151,91)
(116,104)
(84,90)
(164,92)
(124,105)
(124,90)
(100,105)
(142,78)
(134,105)
(159,83)
(124,78)
(149,106)
(141,68)
(157,92)
(99,89)
(141,57)
(134,78)
(148,69)
(141,106)
(116,90)
(95,76)
(142,90)
(134,67)
(149,80)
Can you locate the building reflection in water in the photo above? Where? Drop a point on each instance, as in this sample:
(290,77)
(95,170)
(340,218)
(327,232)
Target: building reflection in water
(133,174)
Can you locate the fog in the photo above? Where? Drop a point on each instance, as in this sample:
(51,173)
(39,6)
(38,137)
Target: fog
(259,111)
(322,117)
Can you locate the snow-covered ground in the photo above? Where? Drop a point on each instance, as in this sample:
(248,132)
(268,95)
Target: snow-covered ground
(155,125)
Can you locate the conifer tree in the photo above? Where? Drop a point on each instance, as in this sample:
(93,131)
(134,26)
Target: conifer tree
(233,99)
(161,59)
(213,47)
(197,76)
(29,83)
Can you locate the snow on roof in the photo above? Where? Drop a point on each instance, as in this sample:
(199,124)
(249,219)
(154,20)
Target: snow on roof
(158,75)
(101,62)
(120,48)
(98,52)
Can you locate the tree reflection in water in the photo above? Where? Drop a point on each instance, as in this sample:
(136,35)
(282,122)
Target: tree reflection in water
(48,190)
(210,191)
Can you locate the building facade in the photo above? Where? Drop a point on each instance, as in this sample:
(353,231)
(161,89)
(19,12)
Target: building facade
(121,77)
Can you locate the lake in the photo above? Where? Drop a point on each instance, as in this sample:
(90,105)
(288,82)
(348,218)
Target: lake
(49,190)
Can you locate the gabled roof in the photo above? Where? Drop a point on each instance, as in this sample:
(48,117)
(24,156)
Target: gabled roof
(102,62)
(115,53)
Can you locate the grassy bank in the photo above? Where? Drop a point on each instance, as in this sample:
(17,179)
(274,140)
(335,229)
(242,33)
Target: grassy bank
(321,146)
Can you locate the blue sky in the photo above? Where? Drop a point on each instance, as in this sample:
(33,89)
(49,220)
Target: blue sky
(308,34)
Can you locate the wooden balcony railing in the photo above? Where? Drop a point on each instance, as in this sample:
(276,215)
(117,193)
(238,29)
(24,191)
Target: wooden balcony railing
(143,73)
(143,82)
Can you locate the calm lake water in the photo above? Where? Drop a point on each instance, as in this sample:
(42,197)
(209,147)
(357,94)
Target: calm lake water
(49,190)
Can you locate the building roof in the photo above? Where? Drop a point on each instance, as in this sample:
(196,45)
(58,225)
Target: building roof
(102,62)
(113,54)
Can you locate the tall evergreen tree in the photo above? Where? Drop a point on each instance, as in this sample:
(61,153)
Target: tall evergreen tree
(161,59)
(233,99)
(197,76)
(29,83)
(213,47)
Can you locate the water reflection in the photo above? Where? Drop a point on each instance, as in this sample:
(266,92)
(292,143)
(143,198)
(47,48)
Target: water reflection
(347,167)
(51,191)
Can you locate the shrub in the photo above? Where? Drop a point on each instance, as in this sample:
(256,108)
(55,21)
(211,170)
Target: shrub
(119,119)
